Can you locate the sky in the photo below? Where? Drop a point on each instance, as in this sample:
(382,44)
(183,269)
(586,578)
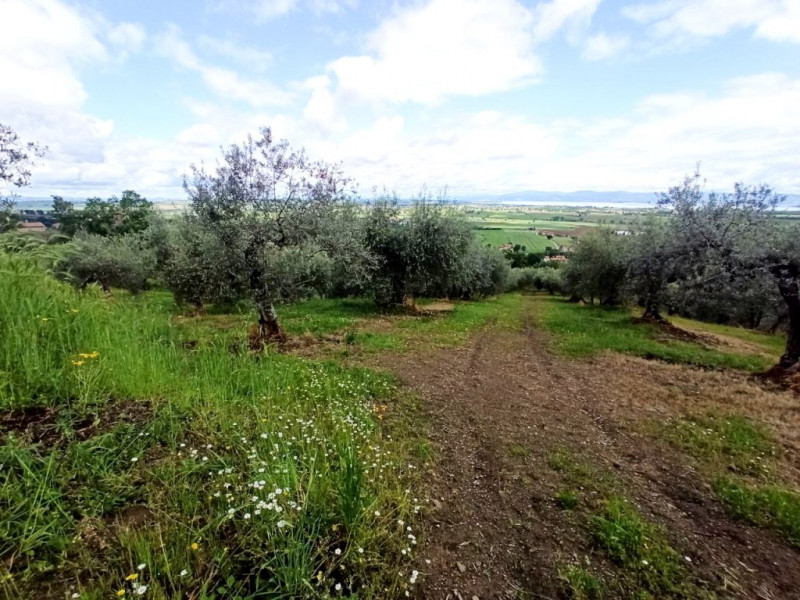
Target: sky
(478,96)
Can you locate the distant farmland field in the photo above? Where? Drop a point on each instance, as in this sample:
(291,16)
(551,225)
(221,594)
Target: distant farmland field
(532,241)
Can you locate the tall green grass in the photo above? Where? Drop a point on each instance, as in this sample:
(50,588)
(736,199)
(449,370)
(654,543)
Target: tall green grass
(226,474)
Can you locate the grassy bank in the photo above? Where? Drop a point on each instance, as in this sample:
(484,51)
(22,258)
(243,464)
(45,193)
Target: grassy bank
(135,464)
(583,331)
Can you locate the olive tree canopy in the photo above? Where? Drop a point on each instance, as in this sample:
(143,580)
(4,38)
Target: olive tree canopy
(733,237)
(279,219)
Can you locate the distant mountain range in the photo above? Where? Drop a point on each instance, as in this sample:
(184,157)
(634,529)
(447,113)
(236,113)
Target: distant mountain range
(620,199)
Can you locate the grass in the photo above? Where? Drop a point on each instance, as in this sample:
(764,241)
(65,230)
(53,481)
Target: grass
(246,475)
(739,457)
(771,506)
(532,241)
(518,450)
(580,475)
(728,442)
(728,446)
(647,566)
(584,331)
(320,316)
(317,317)
(567,499)
(502,312)
(773,344)
(357,324)
(225,474)
(581,584)
(642,550)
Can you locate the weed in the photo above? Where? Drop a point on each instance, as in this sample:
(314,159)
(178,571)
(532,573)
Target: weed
(567,499)
(732,442)
(580,584)
(258,476)
(579,474)
(518,450)
(770,506)
(640,548)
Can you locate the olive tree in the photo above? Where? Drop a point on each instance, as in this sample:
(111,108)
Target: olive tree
(125,261)
(734,237)
(483,271)
(597,268)
(425,251)
(652,263)
(197,268)
(273,212)
(16,160)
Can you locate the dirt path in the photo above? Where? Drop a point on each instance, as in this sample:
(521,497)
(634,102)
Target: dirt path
(503,404)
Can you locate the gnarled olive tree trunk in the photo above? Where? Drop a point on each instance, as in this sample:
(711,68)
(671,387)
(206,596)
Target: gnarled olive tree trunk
(269,329)
(788,278)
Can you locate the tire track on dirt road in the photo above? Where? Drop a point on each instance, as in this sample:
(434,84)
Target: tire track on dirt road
(499,407)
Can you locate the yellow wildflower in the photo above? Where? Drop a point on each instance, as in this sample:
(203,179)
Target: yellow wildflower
(195,546)
(335,527)
(132,577)
(120,593)
(84,355)
(78,363)
(94,354)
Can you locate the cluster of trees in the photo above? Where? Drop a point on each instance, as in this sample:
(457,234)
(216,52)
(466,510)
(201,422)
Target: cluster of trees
(116,216)
(270,225)
(519,257)
(727,258)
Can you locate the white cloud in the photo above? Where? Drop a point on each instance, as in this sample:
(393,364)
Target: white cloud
(447,47)
(266,10)
(261,9)
(253,58)
(43,41)
(45,45)
(322,110)
(227,83)
(551,17)
(127,36)
(424,54)
(747,132)
(428,52)
(321,7)
(681,21)
(602,45)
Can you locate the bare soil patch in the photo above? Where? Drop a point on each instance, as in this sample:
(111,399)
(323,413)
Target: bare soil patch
(51,426)
(435,308)
(500,407)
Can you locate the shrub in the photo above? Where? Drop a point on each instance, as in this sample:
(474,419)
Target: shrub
(125,262)
(597,268)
